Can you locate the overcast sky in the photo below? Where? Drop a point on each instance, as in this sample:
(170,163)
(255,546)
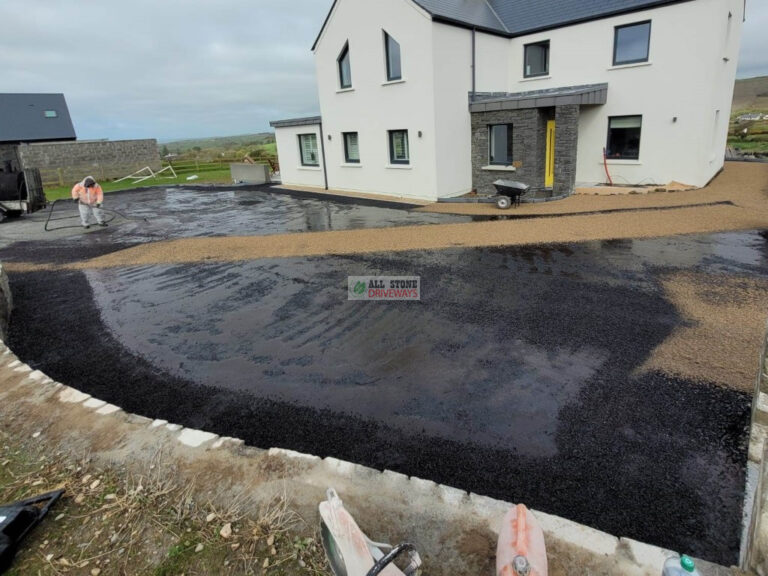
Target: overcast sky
(191,68)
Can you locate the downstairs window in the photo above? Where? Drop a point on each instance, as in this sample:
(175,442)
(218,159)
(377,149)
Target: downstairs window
(500,139)
(624,137)
(308,148)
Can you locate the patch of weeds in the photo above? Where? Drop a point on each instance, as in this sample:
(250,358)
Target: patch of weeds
(111,521)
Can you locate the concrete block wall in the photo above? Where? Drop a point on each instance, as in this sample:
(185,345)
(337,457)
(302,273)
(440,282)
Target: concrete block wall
(250,173)
(65,163)
(8,154)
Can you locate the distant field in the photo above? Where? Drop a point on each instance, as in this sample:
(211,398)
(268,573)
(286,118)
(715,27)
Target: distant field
(220,142)
(749,95)
(207,173)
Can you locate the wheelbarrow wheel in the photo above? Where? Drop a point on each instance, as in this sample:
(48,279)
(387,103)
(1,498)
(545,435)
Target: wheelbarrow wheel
(503,203)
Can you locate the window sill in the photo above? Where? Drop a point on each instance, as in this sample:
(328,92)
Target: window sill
(351,165)
(619,162)
(343,90)
(499,168)
(390,82)
(313,168)
(634,65)
(532,78)
(398,167)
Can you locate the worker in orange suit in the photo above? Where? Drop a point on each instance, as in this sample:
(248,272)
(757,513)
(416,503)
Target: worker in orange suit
(89,196)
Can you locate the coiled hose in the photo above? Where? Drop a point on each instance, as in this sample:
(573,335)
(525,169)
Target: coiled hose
(114,213)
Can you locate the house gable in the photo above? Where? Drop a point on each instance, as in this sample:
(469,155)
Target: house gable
(333,10)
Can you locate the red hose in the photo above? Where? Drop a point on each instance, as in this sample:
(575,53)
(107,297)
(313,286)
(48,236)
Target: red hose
(605,164)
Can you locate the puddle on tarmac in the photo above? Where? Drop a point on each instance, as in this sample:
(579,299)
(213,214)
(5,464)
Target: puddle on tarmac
(502,340)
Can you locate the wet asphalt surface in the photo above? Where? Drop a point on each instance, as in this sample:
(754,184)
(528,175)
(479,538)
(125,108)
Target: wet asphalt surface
(514,377)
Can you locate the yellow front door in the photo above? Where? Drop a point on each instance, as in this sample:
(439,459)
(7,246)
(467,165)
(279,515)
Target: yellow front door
(549,171)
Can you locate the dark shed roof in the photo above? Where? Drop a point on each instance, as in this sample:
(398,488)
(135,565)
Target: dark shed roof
(519,17)
(309,121)
(34,118)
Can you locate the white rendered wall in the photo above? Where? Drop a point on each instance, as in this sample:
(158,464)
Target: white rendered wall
(292,173)
(373,106)
(453,82)
(686,77)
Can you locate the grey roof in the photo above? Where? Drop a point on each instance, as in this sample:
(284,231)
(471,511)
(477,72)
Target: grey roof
(587,94)
(512,18)
(309,121)
(476,12)
(526,16)
(22,118)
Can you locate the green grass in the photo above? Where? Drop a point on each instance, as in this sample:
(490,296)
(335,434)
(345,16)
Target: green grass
(219,142)
(208,174)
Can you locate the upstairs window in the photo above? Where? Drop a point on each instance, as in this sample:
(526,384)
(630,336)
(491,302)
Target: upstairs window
(392,47)
(51,114)
(345,68)
(308,148)
(500,138)
(536,59)
(351,148)
(398,147)
(631,43)
(624,137)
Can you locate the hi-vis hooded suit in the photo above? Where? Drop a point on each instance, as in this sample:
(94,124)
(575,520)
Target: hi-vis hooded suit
(90,196)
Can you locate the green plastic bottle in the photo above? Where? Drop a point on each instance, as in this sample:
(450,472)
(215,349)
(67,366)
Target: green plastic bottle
(680,566)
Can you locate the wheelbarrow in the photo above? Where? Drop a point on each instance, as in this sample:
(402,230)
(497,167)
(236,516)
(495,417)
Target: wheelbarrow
(510,192)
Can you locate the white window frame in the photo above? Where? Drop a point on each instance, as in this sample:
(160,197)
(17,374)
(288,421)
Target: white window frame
(316,149)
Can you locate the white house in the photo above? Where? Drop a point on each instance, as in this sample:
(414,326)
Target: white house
(433,98)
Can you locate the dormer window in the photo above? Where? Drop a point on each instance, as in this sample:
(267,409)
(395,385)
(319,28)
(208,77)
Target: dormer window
(392,48)
(345,68)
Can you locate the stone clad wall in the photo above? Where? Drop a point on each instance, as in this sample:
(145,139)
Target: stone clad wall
(528,147)
(566,146)
(64,163)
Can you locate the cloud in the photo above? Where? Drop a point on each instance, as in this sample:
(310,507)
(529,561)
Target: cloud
(179,68)
(753,60)
(165,69)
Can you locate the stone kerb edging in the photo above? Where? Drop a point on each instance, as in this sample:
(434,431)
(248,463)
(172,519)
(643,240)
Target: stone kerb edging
(755,541)
(439,515)
(6,303)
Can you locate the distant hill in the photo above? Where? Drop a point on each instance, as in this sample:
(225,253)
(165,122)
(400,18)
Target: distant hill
(751,94)
(220,142)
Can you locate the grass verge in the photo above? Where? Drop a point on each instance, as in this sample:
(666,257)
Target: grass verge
(111,521)
(205,177)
